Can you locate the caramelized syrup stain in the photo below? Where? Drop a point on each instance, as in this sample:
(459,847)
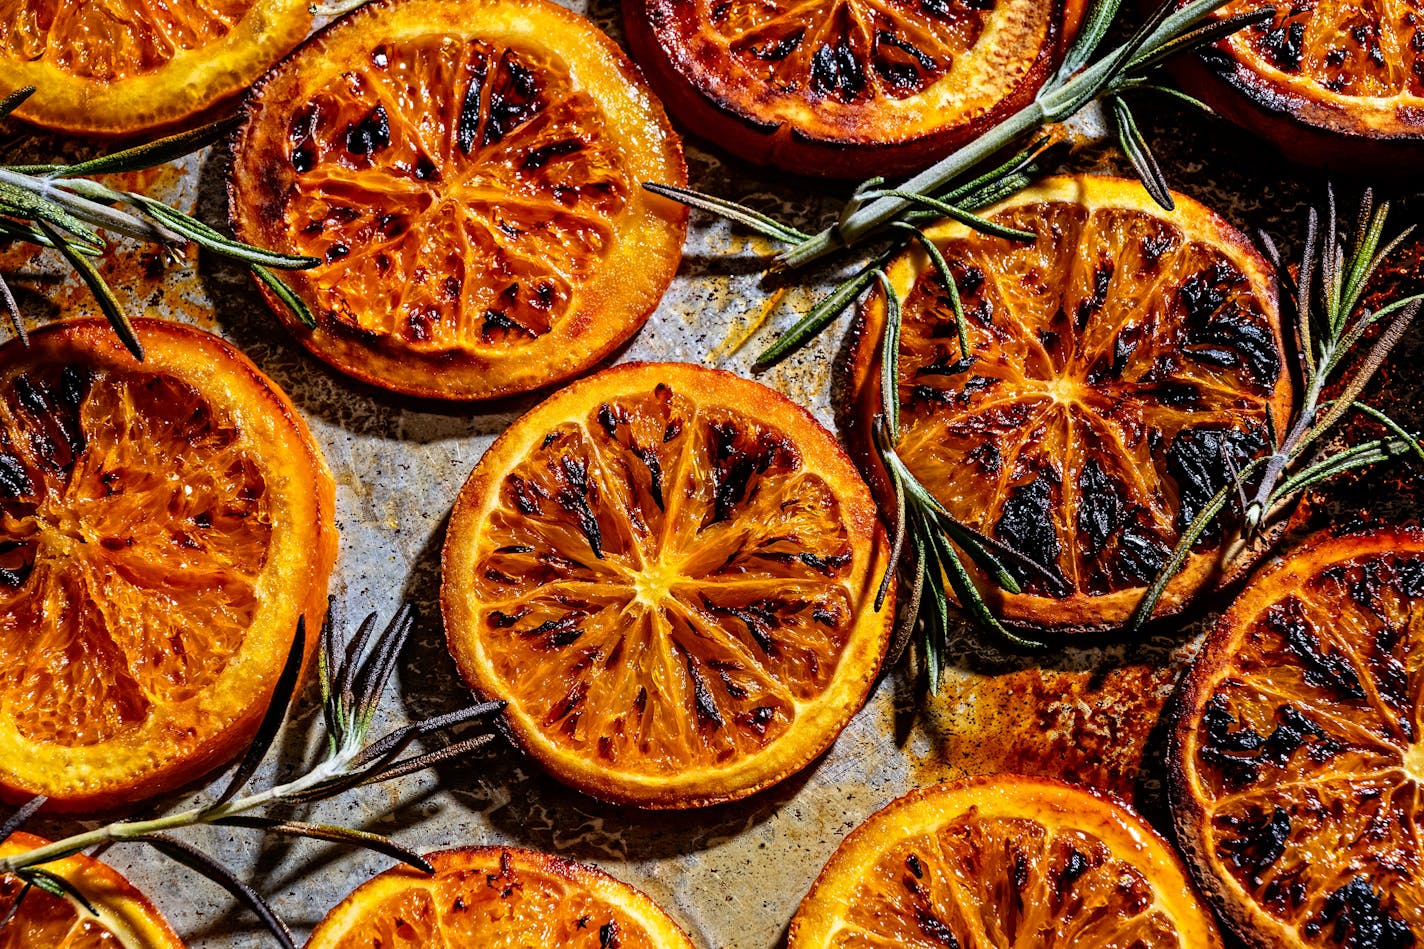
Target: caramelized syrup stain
(1086,727)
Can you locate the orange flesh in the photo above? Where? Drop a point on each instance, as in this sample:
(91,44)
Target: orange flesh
(662,583)
(458,192)
(508,906)
(1342,48)
(852,72)
(1115,363)
(110,41)
(1309,757)
(1002,861)
(846,50)
(133,530)
(982,881)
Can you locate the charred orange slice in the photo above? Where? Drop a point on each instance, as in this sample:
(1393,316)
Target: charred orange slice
(1340,85)
(667,572)
(163,525)
(497,896)
(470,175)
(1298,759)
(846,88)
(130,65)
(1120,365)
(125,920)
(1003,861)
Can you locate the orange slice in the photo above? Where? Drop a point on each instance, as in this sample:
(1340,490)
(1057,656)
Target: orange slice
(126,919)
(470,175)
(1003,861)
(130,65)
(1339,85)
(846,88)
(1298,758)
(668,573)
(1121,363)
(497,896)
(163,525)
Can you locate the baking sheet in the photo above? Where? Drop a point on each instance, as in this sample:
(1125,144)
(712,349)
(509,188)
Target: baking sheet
(731,875)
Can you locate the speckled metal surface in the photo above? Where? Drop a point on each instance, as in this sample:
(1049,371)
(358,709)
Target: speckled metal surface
(731,875)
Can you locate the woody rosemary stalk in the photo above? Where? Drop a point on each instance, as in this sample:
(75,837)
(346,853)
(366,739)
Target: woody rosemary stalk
(354,677)
(63,208)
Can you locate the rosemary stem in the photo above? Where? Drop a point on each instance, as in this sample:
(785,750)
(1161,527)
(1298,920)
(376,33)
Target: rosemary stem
(201,814)
(91,212)
(1257,513)
(939,175)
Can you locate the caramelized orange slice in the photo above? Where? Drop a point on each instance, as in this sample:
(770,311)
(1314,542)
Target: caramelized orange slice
(848,88)
(1298,758)
(497,896)
(470,175)
(1333,84)
(125,920)
(163,525)
(1003,861)
(668,574)
(129,65)
(1120,365)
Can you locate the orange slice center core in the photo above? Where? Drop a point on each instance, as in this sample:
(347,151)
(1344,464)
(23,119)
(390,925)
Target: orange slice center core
(653,584)
(1414,763)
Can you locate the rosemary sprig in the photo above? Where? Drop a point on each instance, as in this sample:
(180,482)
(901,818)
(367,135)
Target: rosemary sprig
(62,207)
(1329,323)
(975,175)
(354,676)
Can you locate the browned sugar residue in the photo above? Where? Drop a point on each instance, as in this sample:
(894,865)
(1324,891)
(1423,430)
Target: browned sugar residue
(145,279)
(1088,727)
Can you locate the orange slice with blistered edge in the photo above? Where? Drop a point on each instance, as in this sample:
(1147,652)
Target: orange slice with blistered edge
(1003,861)
(163,526)
(125,918)
(497,896)
(847,88)
(1297,759)
(470,176)
(1120,365)
(668,572)
(1337,85)
(127,66)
